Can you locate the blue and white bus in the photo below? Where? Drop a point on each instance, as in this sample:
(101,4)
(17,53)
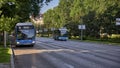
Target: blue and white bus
(25,34)
(60,34)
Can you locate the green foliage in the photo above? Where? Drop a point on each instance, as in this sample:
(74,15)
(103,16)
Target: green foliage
(59,16)
(4,55)
(31,7)
(98,16)
(13,11)
(5,23)
(115,36)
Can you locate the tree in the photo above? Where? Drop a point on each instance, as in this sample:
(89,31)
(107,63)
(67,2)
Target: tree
(60,15)
(20,10)
(14,11)
(98,16)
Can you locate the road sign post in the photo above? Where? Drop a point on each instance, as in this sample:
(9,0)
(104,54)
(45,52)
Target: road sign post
(5,39)
(81,34)
(81,27)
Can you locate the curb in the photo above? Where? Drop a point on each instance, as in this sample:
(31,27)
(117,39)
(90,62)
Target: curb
(12,59)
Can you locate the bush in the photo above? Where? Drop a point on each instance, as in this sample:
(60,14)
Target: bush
(104,36)
(115,36)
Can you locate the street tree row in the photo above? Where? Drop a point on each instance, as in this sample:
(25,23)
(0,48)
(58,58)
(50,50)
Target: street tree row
(14,11)
(99,16)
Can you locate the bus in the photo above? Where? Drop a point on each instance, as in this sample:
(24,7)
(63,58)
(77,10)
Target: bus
(60,34)
(25,34)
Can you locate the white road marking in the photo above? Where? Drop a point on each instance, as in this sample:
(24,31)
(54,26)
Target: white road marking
(69,66)
(34,67)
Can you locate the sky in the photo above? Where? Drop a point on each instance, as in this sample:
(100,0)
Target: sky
(50,5)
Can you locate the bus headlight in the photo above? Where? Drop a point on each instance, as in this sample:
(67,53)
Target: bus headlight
(33,41)
(18,42)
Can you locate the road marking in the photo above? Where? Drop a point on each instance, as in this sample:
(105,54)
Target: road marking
(69,66)
(34,67)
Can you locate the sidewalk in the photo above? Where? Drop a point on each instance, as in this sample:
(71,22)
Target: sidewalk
(4,65)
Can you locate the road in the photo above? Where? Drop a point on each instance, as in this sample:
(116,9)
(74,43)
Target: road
(48,53)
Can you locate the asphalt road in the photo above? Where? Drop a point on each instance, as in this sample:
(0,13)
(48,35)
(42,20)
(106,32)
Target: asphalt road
(48,53)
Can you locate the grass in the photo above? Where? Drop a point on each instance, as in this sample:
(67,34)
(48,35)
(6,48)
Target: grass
(4,55)
(104,42)
(98,41)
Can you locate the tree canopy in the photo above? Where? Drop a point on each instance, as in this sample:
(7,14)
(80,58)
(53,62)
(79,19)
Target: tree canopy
(14,11)
(99,16)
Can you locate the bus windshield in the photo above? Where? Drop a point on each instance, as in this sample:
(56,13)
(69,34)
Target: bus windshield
(25,33)
(60,34)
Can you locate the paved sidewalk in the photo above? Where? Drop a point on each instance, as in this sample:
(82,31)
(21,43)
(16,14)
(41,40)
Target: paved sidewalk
(4,65)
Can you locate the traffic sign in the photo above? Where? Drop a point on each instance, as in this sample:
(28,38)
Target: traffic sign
(117,21)
(81,27)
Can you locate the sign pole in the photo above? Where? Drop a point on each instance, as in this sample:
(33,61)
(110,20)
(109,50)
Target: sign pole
(81,34)
(81,27)
(5,39)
